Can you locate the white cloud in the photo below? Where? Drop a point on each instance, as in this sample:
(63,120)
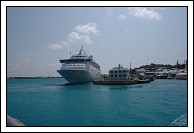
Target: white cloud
(55,46)
(83,33)
(86,39)
(65,44)
(122,17)
(24,60)
(58,46)
(89,28)
(75,37)
(20,63)
(144,13)
(80,34)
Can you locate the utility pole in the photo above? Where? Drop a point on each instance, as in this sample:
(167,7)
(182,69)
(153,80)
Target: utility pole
(177,63)
(147,61)
(130,73)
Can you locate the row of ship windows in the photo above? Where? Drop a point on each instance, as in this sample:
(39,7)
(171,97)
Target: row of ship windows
(78,68)
(120,75)
(79,56)
(75,65)
(124,71)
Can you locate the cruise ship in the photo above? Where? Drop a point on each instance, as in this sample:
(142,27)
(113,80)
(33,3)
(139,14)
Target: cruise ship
(80,68)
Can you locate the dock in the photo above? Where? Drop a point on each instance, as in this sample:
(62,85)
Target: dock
(120,82)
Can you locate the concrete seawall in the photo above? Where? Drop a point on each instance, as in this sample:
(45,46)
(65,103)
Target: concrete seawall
(120,82)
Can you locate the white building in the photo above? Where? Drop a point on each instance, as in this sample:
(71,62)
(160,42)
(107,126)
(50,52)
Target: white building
(119,73)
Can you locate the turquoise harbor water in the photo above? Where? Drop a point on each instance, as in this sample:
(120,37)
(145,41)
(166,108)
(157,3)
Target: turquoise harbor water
(48,102)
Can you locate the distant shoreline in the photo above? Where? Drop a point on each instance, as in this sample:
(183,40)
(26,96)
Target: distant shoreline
(31,77)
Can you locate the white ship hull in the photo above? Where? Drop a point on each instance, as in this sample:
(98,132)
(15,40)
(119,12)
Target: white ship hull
(79,76)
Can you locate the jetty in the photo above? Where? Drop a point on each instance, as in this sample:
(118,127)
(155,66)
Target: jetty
(120,82)
(121,76)
(114,82)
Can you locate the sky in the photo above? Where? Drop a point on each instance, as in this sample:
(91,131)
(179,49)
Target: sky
(37,37)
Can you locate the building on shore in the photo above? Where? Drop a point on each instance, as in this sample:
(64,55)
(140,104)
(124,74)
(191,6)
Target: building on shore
(119,73)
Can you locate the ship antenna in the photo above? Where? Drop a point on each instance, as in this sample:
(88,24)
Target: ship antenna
(82,46)
(81,50)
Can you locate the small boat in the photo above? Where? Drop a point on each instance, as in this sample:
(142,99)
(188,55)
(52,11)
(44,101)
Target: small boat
(182,76)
